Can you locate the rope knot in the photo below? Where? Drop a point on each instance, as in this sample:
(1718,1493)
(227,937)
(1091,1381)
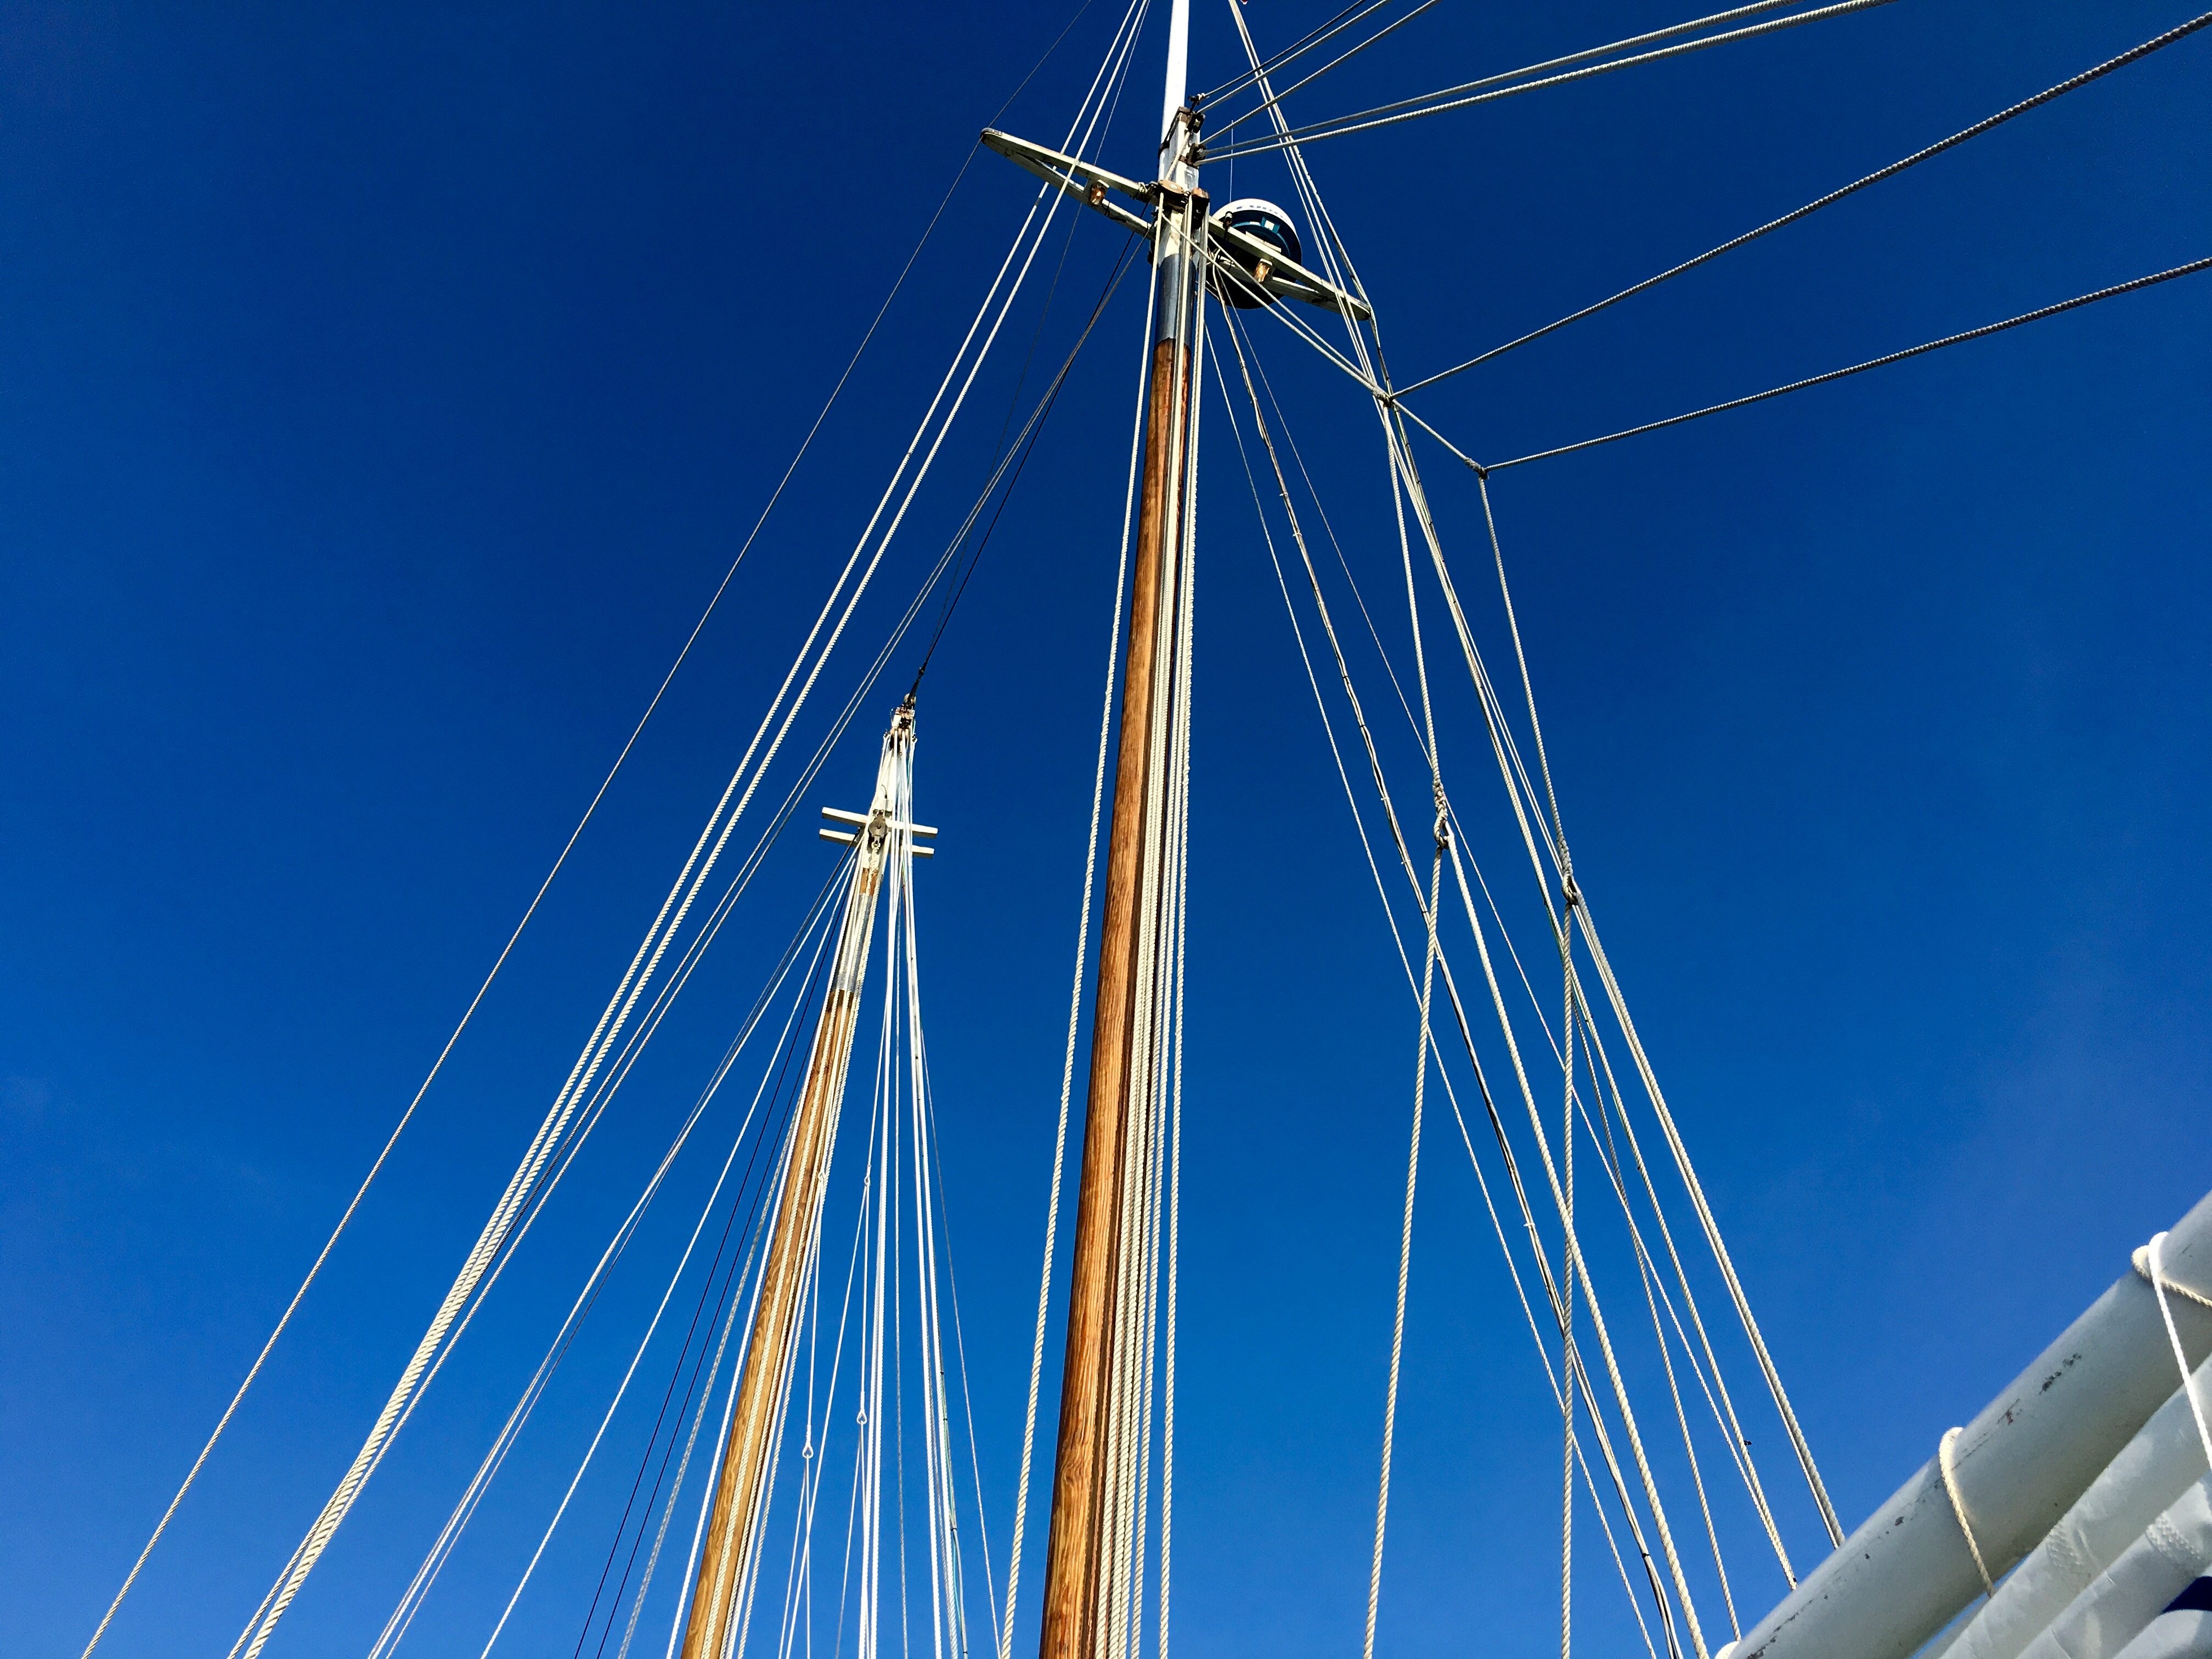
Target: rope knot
(1571,894)
(2159,1280)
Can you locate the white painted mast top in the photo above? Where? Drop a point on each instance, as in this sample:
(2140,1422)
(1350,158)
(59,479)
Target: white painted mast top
(1173,169)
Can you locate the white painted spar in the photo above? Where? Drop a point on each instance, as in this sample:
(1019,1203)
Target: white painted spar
(2019,1466)
(1173,167)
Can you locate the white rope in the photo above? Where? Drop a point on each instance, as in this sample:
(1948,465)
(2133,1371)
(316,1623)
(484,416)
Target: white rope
(1516,782)
(1405,1247)
(682,1468)
(426,1574)
(666,924)
(2160,1284)
(1654,1294)
(1075,1001)
(1945,1467)
(1366,121)
(467,1014)
(653,1325)
(1404,484)
(1389,917)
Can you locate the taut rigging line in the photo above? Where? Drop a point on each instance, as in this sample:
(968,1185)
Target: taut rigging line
(2073,82)
(1386,115)
(1484,469)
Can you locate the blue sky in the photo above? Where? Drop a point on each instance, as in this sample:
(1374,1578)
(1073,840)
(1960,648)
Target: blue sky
(386,391)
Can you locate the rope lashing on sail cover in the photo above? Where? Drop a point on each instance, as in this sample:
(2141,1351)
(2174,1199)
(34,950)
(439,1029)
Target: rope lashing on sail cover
(1987,123)
(1387,115)
(690,880)
(1944,1466)
(529,913)
(2145,1262)
(2152,280)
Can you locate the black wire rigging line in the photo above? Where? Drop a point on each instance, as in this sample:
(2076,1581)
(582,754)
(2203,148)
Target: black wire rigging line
(1413,109)
(1335,26)
(1486,468)
(1895,168)
(1350,52)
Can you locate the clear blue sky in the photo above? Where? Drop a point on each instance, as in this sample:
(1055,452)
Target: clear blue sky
(381,394)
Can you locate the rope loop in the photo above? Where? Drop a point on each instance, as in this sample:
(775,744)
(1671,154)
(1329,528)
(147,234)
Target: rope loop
(2147,1263)
(1943,1465)
(2144,1263)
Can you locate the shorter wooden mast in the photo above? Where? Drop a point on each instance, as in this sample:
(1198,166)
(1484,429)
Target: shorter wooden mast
(733,1528)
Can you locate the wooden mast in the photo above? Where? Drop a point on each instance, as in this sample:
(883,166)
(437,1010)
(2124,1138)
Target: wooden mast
(726,1556)
(1075,1558)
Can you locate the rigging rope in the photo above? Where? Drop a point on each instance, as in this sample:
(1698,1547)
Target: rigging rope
(1275,98)
(1306,42)
(676,908)
(1406,487)
(1406,1238)
(2035,316)
(1565,868)
(1516,782)
(1986,125)
(1075,995)
(1325,230)
(426,1574)
(1017,458)
(682,654)
(1443,962)
(1391,114)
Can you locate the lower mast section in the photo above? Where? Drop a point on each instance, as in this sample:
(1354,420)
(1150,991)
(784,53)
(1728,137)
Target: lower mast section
(1107,1315)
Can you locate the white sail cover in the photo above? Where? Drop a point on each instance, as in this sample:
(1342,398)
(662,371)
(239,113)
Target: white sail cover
(2132,1593)
(2179,1633)
(2154,1470)
(2020,1465)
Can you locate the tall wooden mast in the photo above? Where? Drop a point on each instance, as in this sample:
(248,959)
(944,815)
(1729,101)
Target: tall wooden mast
(732,1530)
(1076,1556)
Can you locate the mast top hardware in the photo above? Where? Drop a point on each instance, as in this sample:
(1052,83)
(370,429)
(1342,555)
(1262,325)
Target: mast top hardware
(1261,222)
(1283,279)
(861,822)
